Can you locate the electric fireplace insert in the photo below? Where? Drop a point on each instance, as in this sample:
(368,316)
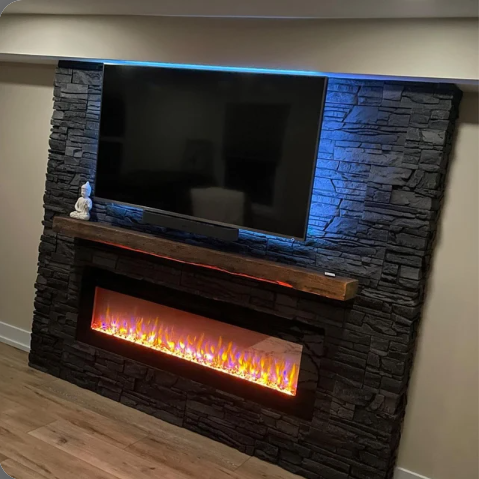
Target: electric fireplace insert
(265,358)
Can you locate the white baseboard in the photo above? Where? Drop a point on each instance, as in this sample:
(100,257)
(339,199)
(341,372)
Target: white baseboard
(16,337)
(405,474)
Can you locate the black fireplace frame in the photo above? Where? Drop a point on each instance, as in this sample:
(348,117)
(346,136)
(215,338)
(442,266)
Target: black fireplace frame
(301,405)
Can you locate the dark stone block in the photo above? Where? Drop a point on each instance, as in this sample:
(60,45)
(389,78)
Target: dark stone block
(266,451)
(371,91)
(110,357)
(399,120)
(344,370)
(409,198)
(338,85)
(289,429)
(343,226)
(389,175)
(411,241)
(109,389)
(135,370)
(439,124)
(390,269)
(290,457)
(436,137)
(392,366)
(363,114)
(371,101)
(410,273)
(414,134)
(392,385)
(352,394)
(73,88)
(440,115)
(205,409)
(420,120)
(392,92)
(340,97)
(163,395)
(431,181)
(407,311)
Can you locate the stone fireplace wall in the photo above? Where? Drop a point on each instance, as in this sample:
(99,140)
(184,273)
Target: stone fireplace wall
(379,184)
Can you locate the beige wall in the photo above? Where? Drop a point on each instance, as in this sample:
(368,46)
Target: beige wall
(440,435)
(26,108)
(440,438)
(434,48)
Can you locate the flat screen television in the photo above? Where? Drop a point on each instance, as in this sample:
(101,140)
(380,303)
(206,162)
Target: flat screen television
(229,148)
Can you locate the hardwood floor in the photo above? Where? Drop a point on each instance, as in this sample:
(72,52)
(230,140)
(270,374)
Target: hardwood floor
(52,429)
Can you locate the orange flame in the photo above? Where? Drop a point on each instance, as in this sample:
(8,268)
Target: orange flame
(254,366)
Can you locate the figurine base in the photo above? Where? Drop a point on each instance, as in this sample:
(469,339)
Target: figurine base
(79,216)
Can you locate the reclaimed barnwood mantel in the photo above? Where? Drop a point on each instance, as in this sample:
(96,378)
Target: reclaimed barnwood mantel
(341,289)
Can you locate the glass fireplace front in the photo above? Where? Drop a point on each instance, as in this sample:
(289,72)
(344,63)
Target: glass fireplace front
(251,356)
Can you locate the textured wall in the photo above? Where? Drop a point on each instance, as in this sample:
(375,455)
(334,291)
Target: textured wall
(379,185)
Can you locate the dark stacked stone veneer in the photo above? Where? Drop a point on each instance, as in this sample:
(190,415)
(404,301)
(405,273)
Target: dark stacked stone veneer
(380,180)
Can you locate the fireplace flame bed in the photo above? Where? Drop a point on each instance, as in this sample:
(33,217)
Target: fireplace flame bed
(264,360)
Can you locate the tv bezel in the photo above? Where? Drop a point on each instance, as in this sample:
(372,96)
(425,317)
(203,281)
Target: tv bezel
(205,220)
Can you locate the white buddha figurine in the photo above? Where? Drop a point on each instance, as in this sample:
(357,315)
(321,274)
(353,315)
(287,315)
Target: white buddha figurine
(84,204)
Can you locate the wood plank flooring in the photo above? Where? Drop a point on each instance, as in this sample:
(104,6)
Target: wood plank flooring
(52,429)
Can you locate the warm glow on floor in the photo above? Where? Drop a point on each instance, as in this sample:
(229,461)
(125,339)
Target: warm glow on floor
(258,361)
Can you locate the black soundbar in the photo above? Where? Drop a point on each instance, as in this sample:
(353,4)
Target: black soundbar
(191,226)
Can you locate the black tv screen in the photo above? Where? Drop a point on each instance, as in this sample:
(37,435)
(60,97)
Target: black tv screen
(224,147)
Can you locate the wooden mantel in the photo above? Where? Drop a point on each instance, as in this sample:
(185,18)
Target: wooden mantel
(341,289)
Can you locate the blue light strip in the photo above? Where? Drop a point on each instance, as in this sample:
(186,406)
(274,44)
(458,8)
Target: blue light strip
(186,66)
(274,71)
(270,71)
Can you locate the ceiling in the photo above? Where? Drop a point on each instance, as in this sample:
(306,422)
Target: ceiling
(254,8)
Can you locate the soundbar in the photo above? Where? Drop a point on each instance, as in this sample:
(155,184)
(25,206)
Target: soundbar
(191,226)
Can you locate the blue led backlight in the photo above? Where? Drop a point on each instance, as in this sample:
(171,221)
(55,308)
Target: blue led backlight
(187,66)
(240,69)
